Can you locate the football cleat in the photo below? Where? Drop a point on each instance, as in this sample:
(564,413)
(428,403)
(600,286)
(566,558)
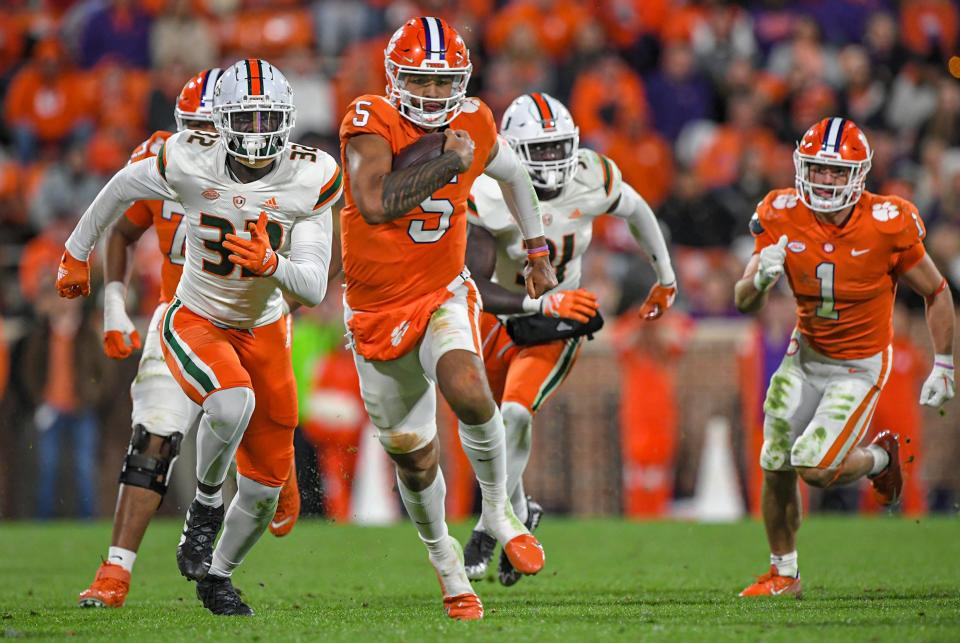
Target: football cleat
(465,607)
(288,506)
(888,484)
(200,529)
(478,553)
(220,596)
(506,572)
(108,589)
(773,584)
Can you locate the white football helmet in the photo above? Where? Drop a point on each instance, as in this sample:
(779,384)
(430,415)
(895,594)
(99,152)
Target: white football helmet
(253,110)
(542,132)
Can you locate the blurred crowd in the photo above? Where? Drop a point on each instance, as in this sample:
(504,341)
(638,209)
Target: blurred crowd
(699,102)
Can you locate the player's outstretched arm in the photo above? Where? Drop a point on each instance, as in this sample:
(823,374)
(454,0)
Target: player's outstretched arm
(138,181)
(382,194)
(521,199)
(926,280)
(646,230)
(304,276)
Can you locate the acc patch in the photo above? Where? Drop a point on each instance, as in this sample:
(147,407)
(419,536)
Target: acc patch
(755,228)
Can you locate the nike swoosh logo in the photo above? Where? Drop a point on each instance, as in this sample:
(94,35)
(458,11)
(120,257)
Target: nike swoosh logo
(278,525)
(856,253)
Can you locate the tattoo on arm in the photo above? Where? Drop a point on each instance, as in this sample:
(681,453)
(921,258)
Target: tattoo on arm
(404,189)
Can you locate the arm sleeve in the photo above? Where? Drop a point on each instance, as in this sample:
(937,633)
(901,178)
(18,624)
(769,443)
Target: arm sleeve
(646,230)
(518,192)
(137,181)
(304,274)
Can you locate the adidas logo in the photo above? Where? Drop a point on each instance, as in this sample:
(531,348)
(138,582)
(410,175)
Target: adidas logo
(564,326)
(271,203)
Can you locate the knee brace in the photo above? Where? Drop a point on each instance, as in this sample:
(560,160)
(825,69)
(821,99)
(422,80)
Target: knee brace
(149,471)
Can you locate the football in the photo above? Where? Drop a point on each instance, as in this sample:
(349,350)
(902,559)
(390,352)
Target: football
(427,147)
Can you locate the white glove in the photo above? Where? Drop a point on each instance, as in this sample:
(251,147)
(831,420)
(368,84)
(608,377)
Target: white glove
(771,265)
(939,386)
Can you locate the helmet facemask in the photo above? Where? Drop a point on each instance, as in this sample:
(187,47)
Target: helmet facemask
(425,111)
(826,197)
(255,130)
(551,161)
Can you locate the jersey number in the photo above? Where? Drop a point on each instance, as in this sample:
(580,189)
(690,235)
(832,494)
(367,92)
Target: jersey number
(418,229)
(558,259)
(825,273)
(178,245)
(224,268)
(362,115)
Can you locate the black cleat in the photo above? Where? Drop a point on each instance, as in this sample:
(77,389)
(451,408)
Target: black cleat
(505,572)
(200,529)
(220,597)
(478,553)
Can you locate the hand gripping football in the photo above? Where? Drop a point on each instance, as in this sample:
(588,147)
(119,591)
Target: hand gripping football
(426,148)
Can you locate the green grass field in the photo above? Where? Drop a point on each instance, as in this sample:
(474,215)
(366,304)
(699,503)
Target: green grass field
(864,579)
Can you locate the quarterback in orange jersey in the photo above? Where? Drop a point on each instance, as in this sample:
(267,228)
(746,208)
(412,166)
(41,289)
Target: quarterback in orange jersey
(843,250)
(412,309)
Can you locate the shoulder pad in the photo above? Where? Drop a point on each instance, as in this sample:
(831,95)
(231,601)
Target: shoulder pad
(597,172)
(889,214)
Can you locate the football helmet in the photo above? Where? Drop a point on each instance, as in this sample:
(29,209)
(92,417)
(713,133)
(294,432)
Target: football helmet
(253,110)
(427,46)
(542,132)
(838,143)
(195,102)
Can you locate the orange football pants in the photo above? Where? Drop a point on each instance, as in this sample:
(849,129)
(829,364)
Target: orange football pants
(204,357)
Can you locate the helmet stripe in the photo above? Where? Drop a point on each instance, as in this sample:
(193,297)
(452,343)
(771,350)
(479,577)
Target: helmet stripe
(434,36)
(443,44)
(830,140)
(254,77)
(543,107)
(843,124)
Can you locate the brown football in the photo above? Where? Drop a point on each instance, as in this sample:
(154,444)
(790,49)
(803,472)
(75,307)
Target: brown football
(426,148)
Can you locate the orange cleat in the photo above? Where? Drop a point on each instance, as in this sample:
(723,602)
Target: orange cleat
(773,584)
(109,587)
(525,553)
(888,484)
(463,607)
(288,506)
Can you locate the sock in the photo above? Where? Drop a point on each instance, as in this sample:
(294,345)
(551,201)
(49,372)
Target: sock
(880,459)
(518,434)
(246,520)
(123,557)
(426,510)
(214,499)
(226,414)
(786,565)
(518,500)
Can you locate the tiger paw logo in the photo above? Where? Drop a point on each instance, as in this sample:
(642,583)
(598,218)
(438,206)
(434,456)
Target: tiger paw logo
(396,336)
(885,211)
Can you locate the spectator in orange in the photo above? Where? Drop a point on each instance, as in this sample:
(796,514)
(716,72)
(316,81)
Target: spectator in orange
(269,31)
(45,104)
(644,157)
(608,91)
(181,22)
(898,411)
(930,27)
(720,162)
(552,23)
(119,30)
(518,68)
(13,208)
(11,40)
(66,189)
(360,72)
(627,21)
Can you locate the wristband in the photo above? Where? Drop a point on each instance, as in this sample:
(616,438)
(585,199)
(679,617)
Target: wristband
(531,305)
(541,251)
(931,297)
(943,360)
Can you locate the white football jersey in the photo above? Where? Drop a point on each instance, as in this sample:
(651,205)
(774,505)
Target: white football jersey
(567,220)
(303,184)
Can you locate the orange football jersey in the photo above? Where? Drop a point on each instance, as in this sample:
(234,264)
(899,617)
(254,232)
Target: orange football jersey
(843,277)
(424,250)
(166,217)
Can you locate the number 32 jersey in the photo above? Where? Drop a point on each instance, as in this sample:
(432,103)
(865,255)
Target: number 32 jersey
(396,263)
(844,277)
(303,184)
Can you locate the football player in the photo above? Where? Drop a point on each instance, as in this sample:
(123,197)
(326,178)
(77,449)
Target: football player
(843,250)
(526,365)
(412,310)
(258,224)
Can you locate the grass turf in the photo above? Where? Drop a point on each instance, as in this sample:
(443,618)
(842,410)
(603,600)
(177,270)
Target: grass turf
(864,579)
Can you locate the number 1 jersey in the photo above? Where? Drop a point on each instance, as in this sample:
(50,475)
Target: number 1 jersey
(398,262)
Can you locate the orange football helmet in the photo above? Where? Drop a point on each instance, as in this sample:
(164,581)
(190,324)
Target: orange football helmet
(839,143)
(427,46)
(195,102)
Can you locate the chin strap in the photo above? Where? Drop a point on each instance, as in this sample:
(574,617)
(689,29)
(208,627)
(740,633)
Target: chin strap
(929,299)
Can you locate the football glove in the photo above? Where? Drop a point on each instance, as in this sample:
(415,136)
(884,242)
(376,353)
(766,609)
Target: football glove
(659,299)
(940,385)
(579,305)
(255,253)
(120,336)
(771,265)
(73,277)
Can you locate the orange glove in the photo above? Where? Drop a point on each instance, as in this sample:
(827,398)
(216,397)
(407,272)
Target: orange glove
(254,254)
(115,345)
(579,305)
(117,326)
(658,300)
(73,277)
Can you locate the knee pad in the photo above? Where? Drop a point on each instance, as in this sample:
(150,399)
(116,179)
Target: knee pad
(228,412)
(149,471)
(517,423)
